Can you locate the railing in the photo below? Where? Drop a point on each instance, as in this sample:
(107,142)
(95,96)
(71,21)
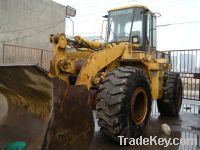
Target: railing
(187,63)
(13,54)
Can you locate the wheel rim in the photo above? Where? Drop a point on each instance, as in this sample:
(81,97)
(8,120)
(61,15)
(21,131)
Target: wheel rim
(139,106)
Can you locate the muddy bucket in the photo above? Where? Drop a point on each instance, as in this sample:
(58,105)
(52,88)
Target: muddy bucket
(71,126)
(27,86)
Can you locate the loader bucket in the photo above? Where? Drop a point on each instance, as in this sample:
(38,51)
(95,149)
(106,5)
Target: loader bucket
(71,125)
(26,86)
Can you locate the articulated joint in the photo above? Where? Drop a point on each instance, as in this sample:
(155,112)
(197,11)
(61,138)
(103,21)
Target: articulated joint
(71,65)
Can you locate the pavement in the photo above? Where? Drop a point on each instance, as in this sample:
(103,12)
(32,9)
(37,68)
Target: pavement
(18,125)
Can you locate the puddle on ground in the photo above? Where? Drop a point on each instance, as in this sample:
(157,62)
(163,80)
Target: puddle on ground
(178,127)
(16,124)
(186,125)
(188,106)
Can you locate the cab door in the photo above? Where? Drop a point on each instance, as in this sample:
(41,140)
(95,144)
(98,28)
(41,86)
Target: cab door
(150,41)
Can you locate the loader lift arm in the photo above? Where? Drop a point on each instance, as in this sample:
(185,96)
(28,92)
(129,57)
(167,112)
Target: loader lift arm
(94,63)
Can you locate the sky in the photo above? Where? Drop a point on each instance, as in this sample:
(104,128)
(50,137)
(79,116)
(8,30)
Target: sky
(88,20)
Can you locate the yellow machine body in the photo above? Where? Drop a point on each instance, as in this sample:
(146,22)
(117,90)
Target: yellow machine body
(118,77)
(79,67)
(112,56)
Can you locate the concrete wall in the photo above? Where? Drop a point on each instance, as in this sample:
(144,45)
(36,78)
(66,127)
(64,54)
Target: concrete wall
(30,22)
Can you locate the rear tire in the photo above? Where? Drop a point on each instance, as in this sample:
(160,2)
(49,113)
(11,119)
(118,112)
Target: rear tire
(124,103)
(171,102)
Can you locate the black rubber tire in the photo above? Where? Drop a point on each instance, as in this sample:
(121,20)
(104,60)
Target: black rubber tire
(114,102)
(171,102)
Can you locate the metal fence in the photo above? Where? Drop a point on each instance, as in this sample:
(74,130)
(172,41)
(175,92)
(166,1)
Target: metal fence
(13,54)
(187,63)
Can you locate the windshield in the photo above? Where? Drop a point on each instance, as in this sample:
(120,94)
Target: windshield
(123,23)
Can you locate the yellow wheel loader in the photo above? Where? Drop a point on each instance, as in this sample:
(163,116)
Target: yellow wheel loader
(118,78)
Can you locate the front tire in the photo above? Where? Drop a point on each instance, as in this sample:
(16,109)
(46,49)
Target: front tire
(124,103)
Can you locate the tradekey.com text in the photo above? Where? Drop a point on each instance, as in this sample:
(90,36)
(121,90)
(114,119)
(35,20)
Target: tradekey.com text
(154,140)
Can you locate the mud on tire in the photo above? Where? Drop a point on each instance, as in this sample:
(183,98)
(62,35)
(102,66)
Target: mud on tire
(116,108)
(171,102)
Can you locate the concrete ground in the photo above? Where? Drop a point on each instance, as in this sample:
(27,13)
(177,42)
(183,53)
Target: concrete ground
(18,125)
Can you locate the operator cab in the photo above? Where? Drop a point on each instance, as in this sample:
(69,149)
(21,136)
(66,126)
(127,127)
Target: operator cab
(134,24)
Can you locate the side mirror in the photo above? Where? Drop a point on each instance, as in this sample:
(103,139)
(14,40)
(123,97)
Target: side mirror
(105,16)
